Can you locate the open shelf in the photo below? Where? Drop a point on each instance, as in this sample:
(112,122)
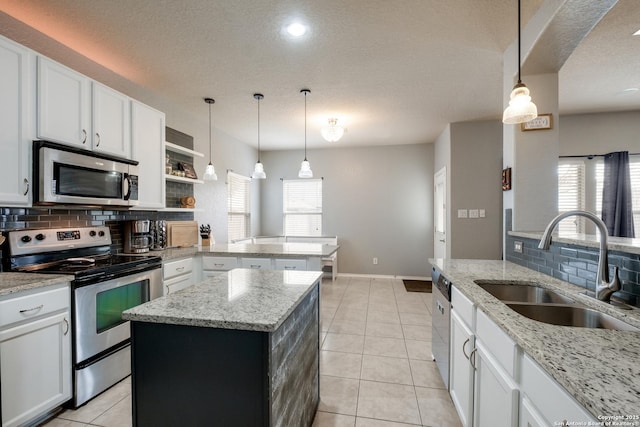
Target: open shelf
(182,179)
(182,210)
(169,146)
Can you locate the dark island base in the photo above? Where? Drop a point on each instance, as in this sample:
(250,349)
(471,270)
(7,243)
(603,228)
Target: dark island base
(198,376)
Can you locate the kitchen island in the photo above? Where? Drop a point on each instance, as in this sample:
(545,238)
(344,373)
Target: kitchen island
(240,348)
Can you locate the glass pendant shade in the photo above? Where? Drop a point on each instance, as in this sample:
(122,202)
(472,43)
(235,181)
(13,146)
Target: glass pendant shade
(305,170)
(333,132)
(520,109)
(258,171)
(210,173)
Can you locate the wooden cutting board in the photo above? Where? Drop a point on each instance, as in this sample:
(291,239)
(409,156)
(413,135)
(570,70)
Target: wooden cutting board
(182,234)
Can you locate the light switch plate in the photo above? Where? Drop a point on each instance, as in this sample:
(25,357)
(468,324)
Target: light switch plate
(517,247)
(473,213)
(462,213)
(483,213)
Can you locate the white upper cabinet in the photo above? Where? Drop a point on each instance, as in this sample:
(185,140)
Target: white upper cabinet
(16,85)
(147,144)
(111,121)
(74,110)
(64,105)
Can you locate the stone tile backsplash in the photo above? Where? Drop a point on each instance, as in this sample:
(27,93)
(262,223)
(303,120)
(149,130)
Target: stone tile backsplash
(576,264)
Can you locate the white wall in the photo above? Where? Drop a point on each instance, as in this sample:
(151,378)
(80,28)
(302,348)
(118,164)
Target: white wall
(377,200)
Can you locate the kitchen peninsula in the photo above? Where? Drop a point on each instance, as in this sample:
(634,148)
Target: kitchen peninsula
(240,348)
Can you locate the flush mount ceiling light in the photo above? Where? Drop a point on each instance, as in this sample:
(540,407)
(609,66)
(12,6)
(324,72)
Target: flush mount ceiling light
(332,132)
(296,29)
(520,109)
(210,171)
(305,167)
(637,33)
(258,171)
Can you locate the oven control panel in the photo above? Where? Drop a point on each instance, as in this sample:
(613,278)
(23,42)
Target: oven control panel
(25,242)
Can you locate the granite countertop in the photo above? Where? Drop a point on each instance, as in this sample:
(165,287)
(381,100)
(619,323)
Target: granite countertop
(242,299)
(271,249)
(261,250)
(621,244)
(599,367)
(17,282)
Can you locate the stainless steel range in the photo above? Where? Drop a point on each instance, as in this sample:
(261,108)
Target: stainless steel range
(104,286)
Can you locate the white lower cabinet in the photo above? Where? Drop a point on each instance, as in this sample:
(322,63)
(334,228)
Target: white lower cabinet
(177,283)
(218,263)
(529,415)
(256,263)
(495,394)
(461,378)
(290,264)
(177,275)
(35,354)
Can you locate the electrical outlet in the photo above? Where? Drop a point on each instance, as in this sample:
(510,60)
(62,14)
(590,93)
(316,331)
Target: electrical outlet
(473,213)
(462,213)
(375,261)
(483,213)
(517,247)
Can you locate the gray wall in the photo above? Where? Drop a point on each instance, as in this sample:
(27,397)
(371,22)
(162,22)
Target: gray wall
(600,133)
(366,203)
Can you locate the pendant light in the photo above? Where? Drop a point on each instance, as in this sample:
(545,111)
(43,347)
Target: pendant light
(520,109)
(332,132)
(210,171)
(258,171)
(305,167)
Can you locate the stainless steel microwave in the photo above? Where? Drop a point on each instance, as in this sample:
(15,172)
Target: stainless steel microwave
(66,175)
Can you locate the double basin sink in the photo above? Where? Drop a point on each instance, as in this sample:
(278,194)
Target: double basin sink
(545,305)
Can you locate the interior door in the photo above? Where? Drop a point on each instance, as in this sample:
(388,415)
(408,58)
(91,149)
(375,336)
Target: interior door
(440,214)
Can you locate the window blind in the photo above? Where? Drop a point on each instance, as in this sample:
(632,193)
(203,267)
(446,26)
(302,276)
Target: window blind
(302,207)
(239,210)
(571,194)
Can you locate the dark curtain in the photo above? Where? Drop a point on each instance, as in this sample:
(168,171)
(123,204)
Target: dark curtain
(617,212)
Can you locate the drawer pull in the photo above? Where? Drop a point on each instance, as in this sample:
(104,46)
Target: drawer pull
(256,266)
(26,310)
(179,268)
(463,350)
(66,322)
(287,267)
(218,265)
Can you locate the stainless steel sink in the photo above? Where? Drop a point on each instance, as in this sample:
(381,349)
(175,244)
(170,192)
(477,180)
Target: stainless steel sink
(566,315)
(521,291)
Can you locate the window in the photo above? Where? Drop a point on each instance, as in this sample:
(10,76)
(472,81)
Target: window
(302,207)
(571,188)
(239,213)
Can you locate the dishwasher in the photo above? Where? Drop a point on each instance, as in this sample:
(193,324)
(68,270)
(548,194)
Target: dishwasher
(441,313)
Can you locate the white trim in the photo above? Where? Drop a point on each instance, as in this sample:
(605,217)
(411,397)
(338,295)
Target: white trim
(384,276)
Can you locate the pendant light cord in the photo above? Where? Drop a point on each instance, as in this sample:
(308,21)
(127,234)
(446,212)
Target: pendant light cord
(258,129)
(305,126)
(519,42)
(209,133)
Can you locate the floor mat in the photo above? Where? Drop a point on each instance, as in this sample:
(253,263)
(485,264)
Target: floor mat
(417,285)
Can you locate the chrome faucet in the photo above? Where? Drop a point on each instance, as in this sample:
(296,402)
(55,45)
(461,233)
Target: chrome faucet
(604,288)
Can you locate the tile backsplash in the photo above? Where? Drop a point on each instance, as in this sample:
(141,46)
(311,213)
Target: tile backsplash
(42,217)
(576,264)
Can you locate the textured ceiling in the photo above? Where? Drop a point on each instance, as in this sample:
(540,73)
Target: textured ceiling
(392,71)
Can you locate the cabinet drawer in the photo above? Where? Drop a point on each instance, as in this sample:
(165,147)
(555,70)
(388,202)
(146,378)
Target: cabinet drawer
(261,263)
(177,283)
(34,305)
(176,268)
(290,264)
(550,398)
(219,263)
(502,347)
(463,306)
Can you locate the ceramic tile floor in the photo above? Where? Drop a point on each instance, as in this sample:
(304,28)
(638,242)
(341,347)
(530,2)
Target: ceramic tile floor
(375,363)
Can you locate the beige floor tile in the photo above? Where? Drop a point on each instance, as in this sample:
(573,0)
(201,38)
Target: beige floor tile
(338,395)
(384,346)
(423,319)
(351,314)
(389,402)
(378,329)
(59,422)
(426,374)
(346,343)
(370,422)
(383,305)
(118,416)
(344,365)
(436,408)
(386,369)
(417,332)
(419,350)
(374,315)
(347,327)
(358,303)
(417,307)
(326,419)
(98,405)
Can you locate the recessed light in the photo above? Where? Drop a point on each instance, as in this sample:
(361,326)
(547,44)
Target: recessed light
(296,29)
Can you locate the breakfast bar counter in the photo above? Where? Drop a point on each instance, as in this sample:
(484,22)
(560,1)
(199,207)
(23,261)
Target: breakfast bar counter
(240,348)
